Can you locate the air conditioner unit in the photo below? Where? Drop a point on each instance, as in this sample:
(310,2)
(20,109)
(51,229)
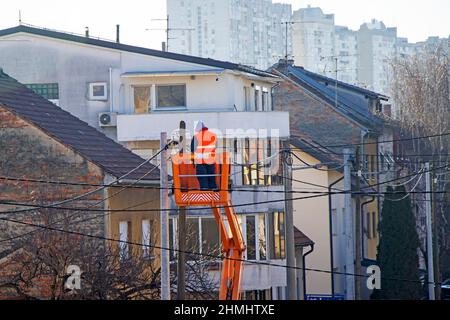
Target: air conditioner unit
(107,119)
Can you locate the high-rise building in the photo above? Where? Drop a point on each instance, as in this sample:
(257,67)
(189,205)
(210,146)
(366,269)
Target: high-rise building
(249,32)
(346,49)
(376,45)
(313,34)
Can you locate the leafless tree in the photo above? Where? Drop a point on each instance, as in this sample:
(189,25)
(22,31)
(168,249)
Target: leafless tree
(38,269)
(420,90)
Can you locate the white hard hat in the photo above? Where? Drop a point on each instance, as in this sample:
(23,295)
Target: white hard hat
(199,126)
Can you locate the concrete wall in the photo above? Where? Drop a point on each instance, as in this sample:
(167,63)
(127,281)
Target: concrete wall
(312,218)
(36,59)
(131,198)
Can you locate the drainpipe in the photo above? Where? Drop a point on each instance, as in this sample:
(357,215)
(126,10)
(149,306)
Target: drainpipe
(272,97)
(304,271)
(330,217)
(110,91)
(362,223)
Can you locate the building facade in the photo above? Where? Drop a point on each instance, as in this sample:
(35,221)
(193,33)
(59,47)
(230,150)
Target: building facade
(317,123)
(250,32)
(313,37)
(48,157)
(133,94)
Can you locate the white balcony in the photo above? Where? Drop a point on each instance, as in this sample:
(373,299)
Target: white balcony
(140,127)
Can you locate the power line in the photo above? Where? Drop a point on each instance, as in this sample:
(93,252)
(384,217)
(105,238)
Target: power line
(195,253)
(316,194)
(98,189)
(371,143)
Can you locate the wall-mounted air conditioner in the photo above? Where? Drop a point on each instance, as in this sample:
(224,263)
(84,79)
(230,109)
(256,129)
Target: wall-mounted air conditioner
(107,119)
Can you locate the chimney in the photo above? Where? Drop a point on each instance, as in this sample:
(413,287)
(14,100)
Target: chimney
(87,32)
(118,33)
(163,46)
(283,65)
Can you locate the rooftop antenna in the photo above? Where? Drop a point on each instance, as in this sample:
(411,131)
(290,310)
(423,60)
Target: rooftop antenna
(20,17)
(168,29)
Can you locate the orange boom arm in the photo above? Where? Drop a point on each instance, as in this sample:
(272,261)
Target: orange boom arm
(187,193)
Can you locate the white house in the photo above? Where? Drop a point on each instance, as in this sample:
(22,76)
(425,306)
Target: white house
(132,94)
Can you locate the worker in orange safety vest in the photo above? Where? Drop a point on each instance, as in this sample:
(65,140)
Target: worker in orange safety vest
(203,145)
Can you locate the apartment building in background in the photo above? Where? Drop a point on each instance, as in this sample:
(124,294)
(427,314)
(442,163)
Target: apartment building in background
(313,37)
(360,57)
(249,32)
(377,46)
(132,94)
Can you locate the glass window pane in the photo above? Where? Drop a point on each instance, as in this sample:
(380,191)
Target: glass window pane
(192,237)
(141,99)
(98,90)
(210,237)
(282,236)
(46,90)
(262,236)
(251,238)
(171,96)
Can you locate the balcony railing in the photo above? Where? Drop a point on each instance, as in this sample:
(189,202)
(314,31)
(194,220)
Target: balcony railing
(142,127)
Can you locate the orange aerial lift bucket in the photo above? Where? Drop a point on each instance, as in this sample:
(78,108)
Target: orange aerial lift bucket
(188,193)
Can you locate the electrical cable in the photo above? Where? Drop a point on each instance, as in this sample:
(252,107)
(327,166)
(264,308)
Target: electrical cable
(198,253)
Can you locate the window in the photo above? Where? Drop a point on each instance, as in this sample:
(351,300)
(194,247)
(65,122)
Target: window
(277,232)
(258,165)
(124,237)
(192,237)
(251,238)
(98,91)
(257,99)
(247,103)
(147,228)
(262,237)
(170,96)
(49,91)
(210,237)
(265,101)
(142,100)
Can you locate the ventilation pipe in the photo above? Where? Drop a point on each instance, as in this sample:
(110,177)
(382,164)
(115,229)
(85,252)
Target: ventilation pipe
(118,33)
(87,32)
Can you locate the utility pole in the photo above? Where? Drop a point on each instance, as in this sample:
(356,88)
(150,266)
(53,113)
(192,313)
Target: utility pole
(286,23)
(431,293)
(181,270)
(164,205)
(348,230)
(291,277)
(358,226)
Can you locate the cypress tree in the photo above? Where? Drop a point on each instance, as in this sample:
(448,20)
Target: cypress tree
(397,254)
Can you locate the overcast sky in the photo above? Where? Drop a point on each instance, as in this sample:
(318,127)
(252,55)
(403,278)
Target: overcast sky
(415,19)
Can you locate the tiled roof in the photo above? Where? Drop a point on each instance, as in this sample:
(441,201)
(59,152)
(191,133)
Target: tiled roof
(347,104)
(348,86)
(300,239)
(134,49)
(314,149)
(91,144)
